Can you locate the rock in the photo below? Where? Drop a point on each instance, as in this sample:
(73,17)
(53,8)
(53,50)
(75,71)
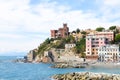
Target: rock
(67,65)
(20,60)
(86,76)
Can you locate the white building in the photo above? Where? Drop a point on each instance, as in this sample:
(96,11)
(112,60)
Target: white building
(69,46)
(109,53)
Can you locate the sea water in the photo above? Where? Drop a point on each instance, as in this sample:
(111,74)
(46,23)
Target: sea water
(40,71)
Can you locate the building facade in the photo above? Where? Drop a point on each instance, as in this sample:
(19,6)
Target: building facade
(109,53)
(108,35)
(61,32)
(69,46)
(93,42)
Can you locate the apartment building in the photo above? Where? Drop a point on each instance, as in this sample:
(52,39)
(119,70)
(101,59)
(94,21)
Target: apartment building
(108,35)
(93,42)
(61,32)
(109,53)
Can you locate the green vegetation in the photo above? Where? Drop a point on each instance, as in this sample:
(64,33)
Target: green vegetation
(44,46)
(117,38)
(80,47)
(83,32)
(73,31)
(77,30)
(112,28)
(70,39)
(99,29)
(59,43)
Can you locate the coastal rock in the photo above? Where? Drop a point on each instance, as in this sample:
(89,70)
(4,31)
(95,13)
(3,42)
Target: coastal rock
(68,65)
(45,59)
(20,60)
(86,76)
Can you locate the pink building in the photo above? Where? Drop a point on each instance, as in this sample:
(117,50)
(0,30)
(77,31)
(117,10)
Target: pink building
(92,44)
(109,35)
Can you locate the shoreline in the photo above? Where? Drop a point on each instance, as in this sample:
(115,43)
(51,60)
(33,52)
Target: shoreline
(75,64)
(106,64)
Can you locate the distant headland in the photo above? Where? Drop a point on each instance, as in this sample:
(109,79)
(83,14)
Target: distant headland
(84,46)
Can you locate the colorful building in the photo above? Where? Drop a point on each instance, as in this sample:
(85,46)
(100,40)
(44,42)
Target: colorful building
(61,32)
(109,35)
(93,42)
(109,53)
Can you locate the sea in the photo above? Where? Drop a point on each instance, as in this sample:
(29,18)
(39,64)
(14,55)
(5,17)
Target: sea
(40,71)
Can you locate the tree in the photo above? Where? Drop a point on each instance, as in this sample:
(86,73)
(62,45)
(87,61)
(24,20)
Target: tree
(73,31)
(47,41)
(77,30)
(112,28)
(80,46)
(83,32)
(117,38)
(70,39)
(99,29)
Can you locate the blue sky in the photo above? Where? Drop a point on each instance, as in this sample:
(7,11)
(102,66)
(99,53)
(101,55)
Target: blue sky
(24,24)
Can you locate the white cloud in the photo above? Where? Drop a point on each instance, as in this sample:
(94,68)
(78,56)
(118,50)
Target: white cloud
(20,16)
(112,2)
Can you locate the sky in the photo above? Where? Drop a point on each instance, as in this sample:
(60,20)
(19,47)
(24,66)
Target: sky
(24,24)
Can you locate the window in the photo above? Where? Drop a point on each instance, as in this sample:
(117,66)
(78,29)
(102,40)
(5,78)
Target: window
(88,52)
(102,49)
(96,49)
(111,49)
(97,39)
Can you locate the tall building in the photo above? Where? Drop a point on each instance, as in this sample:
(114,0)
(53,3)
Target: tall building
(109,53)
(92,44)
(61,32)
